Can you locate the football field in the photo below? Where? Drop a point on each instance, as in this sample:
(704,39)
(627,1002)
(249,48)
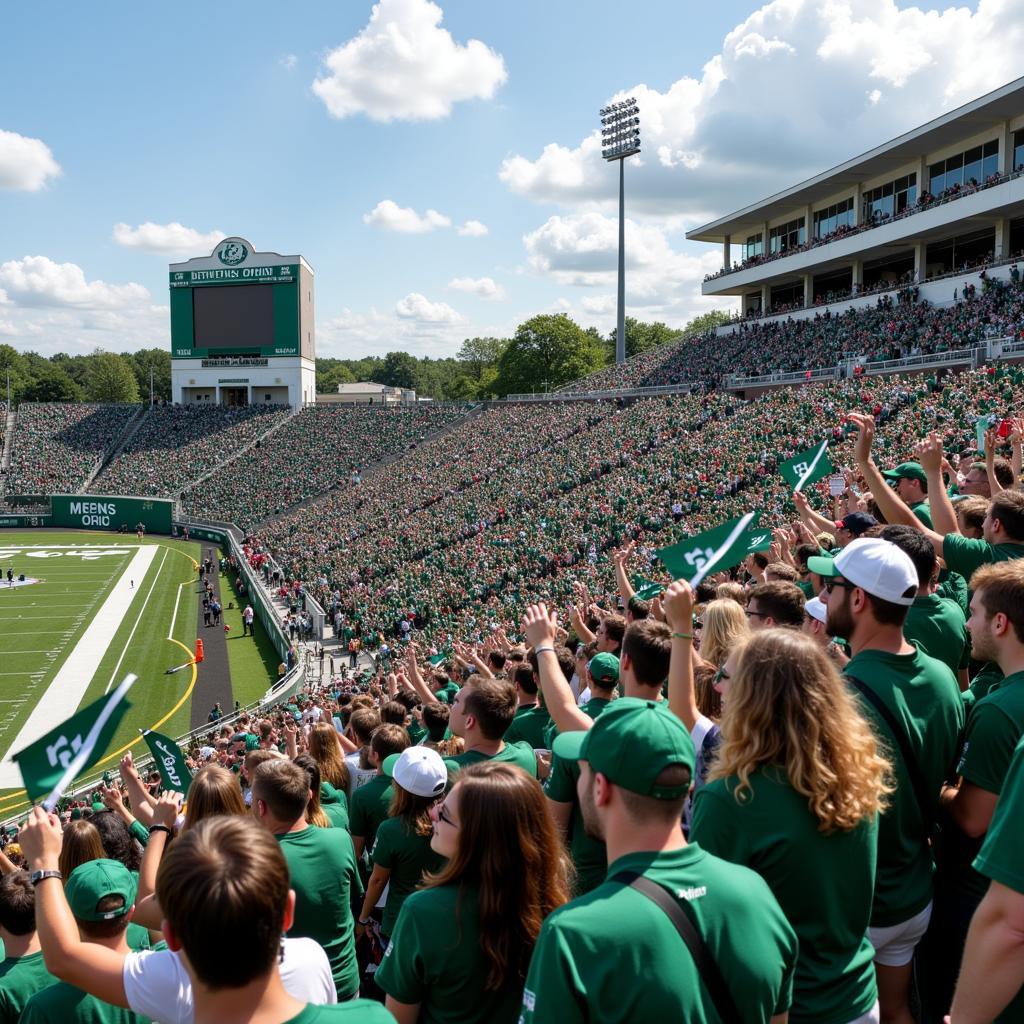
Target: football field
(91,609)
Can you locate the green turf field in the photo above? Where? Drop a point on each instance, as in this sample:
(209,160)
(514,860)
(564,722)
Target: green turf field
(104,606)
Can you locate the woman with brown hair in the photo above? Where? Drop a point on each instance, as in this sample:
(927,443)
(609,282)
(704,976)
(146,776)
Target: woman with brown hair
(214,790)
(314,812)
(463,943)
(325,748)
(794,793)
(82,842)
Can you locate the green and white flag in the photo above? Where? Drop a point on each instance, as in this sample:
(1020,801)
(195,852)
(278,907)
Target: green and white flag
(721,548)
(807,467)
(170,761)
(55,760)
(646,590)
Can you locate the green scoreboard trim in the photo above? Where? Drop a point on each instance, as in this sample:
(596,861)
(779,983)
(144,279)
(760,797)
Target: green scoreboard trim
(102,512)
(284,278)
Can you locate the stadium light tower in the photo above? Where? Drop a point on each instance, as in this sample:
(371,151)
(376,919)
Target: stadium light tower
(620,138)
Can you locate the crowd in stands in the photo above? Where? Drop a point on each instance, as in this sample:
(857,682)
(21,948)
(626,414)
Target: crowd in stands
(314,452)
(889,330)
(176,444)
(791,790)
(56,445)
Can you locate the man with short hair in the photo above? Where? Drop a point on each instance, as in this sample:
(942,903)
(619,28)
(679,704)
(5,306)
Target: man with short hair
(22,971)
(361,725)
(773,605)
(976,480)
(636,768)
(322,865)
(610,633)
(911,483)
(531,719)
(869,586)
(481,715)
(370,803)
(781,572)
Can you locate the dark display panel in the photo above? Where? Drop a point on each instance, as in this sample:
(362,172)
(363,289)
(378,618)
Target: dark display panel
(233,316)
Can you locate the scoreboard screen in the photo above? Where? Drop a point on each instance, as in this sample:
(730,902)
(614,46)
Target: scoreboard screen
(233,316)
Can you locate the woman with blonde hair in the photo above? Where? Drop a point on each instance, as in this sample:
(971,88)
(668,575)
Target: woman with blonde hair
(794,793)
(725,628)
(314,811)
(325,748)
(214,790)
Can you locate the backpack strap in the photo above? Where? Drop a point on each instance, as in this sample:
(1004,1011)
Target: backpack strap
(707,969)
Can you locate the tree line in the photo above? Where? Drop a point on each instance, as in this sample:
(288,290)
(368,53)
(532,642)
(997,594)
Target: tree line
(545,352)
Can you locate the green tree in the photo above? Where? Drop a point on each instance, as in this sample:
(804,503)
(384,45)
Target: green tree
(14,367)
(399,370)
(480,353)
(641,337)
(706,322)
(157,360)
(330,373)
(547,351)
(110,379)
(51,383)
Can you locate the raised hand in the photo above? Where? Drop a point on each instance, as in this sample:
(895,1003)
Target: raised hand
(677,600)
(540,625)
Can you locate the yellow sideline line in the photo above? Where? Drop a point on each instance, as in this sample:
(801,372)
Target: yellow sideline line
(21,793)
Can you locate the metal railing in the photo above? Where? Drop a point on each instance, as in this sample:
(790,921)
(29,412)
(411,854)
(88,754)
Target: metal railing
(920,362)
(789,377)
(602,393)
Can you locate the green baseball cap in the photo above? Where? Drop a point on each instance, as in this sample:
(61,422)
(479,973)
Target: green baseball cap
(907,471)
(93,881)
(604,668)
(631,743)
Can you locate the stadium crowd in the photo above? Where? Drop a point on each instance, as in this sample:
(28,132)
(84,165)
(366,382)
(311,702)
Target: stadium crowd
(316,451)
(56,445)
(174,445)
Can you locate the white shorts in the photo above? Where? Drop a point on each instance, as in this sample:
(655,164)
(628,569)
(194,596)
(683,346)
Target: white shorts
(871,1017)
(894,946)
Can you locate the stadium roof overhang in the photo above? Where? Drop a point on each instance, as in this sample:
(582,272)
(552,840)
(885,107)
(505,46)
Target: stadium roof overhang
(1000,105)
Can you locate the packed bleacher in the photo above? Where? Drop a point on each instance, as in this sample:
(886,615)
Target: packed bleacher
(889,330)
(175,445)
(57,445)
(319,449)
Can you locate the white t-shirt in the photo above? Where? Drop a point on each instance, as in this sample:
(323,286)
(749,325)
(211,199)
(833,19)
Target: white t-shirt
(357,776)
(157,984)
(584,696)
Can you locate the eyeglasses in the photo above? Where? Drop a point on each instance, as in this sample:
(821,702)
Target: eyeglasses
(442,815)
(757,615)
(831,584)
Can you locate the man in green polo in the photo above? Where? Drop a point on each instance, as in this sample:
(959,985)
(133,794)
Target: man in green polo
(911,483)
(636,768)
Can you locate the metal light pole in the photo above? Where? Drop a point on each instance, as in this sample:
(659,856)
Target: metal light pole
(620,138)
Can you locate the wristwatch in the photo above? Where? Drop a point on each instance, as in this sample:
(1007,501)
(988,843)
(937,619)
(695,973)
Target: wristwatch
(37,876)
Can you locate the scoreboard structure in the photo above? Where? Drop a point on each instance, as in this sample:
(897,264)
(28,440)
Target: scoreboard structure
(242,329)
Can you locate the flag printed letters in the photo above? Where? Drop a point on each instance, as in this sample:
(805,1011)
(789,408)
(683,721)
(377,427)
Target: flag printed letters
(806,468)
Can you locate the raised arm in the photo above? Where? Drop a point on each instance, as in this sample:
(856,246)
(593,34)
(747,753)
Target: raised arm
(540,628)
(621,560)
(814,521)
(682,693)
(141,801)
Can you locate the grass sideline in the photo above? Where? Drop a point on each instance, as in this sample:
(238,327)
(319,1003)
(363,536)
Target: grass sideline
(253,662)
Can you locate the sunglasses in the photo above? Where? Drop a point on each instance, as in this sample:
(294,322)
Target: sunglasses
(442,815)
(831,585)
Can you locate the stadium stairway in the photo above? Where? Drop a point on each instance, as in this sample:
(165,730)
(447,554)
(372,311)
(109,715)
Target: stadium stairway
(213,682)
(115,449)
(5,462)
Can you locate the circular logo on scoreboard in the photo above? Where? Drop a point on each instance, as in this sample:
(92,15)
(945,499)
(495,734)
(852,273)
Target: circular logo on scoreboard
(232,251)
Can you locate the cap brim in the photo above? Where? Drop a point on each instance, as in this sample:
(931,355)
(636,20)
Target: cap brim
(892,474)
(822,565)
(569,745)
(388,765)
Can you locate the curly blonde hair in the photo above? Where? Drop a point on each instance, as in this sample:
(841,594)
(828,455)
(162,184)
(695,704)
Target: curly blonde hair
(788,706)
(725,629)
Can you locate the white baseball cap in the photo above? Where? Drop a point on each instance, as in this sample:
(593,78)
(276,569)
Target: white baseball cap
(419,770)
(816,609)
(875,565)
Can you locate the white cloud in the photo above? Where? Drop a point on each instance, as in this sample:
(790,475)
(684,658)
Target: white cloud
(404,66)
(389,215)
(288,61)
(796,87)
(418,307)
(25,164)
(38,281)
(472,229)
(600,304)
(481,287)
(167,238)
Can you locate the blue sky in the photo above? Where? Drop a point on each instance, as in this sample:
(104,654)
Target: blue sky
(178,122)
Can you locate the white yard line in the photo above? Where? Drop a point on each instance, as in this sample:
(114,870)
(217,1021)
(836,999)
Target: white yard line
(138,619)
(174,617)
(71,682)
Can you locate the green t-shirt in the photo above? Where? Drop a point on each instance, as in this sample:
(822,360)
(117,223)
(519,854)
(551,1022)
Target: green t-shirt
(953,586)
(62,1003)
(416,732)
(824,882)
(965,554)
(407,856)
(21,977)
(937,626)
(1000,859)
(520,754)
(589,855)
(529,727)
(923,695)
(356,1011)
(435,959)
(322,864)
(615,956)
(447,692)
(989,675)
(595,706)
(924,513)
(335,805)
(370,805)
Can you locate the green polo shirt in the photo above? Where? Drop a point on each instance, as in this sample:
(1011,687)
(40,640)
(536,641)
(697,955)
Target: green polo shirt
(1000,859)
(937,626)
(923,695)
(355,1011)
(824,882)
(965,554)
(924,513)
(615,956)
(62,1003)
(21,977)
(407,856)
(435,959)
(322,865)
(335,805)
(529,727)
(370,805)
(520,754)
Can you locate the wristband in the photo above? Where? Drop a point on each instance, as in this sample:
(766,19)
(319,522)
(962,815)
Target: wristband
(683,636)
(37,876)
(360,921)
(541,650)
(160,828)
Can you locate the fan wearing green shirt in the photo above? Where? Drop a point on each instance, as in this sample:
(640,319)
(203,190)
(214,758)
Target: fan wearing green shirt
(22,971)
(481,714)
(531,718)
(636,767)
(914,705)
(911,483)
(995,725)
(371,802)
